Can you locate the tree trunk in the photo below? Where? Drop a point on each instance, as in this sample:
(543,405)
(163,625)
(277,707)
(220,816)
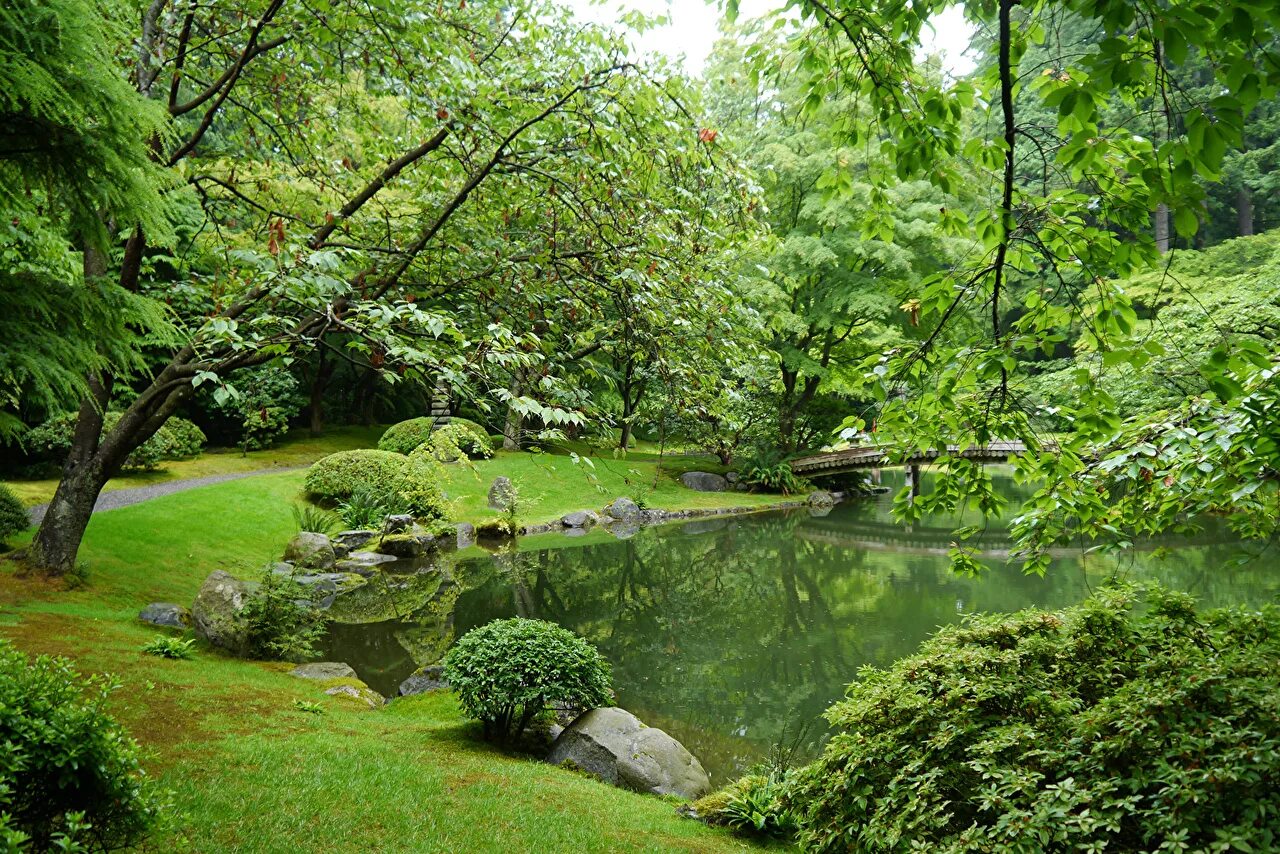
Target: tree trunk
(1162,228)
(1244,211)
(324,371)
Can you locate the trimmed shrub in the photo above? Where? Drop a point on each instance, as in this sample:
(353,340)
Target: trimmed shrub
(508,672)
(458,441)
(1123,723)
(411,483)
(50,442)
(13,516)
(404,437)
(69,774)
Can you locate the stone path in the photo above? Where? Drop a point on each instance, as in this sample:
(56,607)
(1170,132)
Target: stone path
(137,494)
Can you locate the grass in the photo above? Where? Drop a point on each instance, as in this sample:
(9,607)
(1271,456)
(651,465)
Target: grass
(299,448)
(251,767)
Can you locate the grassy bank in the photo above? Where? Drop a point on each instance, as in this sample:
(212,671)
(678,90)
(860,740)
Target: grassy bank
(253,772)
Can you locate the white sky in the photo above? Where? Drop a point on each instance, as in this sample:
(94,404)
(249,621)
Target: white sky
(695,28)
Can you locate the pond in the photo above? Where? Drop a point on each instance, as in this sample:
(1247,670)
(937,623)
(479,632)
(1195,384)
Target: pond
(734,634)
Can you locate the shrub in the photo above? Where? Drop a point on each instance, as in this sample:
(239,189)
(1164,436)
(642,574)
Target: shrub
(770,470)
(50,442)
(404,437)
(411,483)
(259,412)
(278,626)
(1123,723)
(751,805)
(508,672)
(457,441)
(68,772)
(365,508)
(167,647)
(13,516)
(312,519)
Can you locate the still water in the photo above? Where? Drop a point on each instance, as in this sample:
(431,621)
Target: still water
(734,634)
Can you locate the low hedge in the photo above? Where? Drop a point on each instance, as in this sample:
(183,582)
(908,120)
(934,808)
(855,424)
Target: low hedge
(410,485)
(1125,723)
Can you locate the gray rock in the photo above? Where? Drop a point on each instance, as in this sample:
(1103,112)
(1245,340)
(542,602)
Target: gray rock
(466,535)
(166,614)
(613,745)
(579,519)
(363,563)
(623,509)
(310,551)
(575,532)
(821,498)
(704,481)
(323,670)
(401,546)
(732,476)
(354,539)
(361,694)
(502,494)
(216,612)
(429,678)
(398,522)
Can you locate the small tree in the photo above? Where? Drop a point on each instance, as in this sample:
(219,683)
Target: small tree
(508,672)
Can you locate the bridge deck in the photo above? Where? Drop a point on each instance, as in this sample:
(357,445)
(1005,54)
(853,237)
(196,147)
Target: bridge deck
(872,457)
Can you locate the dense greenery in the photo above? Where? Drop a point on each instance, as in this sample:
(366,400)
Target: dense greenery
(1129,720)
(70,777)
(280,620)
(47,445)
(408,484)
(508,672)
(13,515)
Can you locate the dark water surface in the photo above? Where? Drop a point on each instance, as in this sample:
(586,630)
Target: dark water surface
(729,633)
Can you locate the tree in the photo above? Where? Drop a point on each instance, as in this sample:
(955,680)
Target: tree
(327,151)
(1079,239)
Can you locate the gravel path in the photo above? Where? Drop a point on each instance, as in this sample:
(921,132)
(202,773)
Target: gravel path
(137,494)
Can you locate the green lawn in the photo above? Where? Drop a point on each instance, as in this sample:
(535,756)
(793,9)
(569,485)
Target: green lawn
(299,448)
(249,770)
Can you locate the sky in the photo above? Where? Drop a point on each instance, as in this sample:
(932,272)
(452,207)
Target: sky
(695,27)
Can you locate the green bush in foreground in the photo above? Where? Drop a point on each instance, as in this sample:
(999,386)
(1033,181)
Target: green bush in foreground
(69,774)
(1126,723)
(508,672)
(411,483)
(13,516)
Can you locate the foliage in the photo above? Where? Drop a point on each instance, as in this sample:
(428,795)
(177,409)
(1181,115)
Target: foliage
(1124,722)
(178,438)
(508,672)
(68,772)
(770,469)
(752,805)
(169,647)
(414,481)
(316,520)
(278,626)
(454,442)
(13,515)
(260,404)
(366,508)
(402,438)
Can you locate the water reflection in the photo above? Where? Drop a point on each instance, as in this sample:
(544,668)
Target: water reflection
(726,632)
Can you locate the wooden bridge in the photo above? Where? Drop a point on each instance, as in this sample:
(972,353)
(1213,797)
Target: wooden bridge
(871,457)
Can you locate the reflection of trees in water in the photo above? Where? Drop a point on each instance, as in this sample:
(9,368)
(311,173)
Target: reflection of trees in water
(725,636)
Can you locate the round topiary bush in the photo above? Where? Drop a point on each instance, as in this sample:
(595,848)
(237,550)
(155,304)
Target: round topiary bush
(64,755)
(1123,724)
(13,516)
(508,672)
(404,437)
(454,442)
(407,485)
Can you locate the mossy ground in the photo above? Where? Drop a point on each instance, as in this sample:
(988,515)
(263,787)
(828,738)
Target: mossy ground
(253,771)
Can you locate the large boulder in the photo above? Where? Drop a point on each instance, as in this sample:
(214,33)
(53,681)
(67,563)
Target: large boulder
(623,509)
(217,608)
(324,670)
(401,546)
(579,519)
(613,745)
(502,494)
(704,481)
(309,550)
(166,614)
